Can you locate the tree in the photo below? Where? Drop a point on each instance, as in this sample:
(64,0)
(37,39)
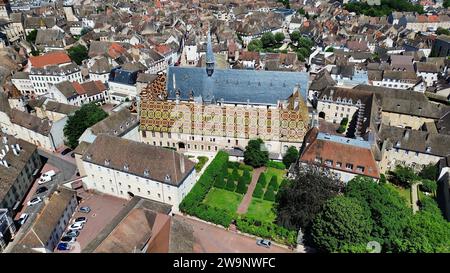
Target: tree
(31,37)
(330,49)
(429,171)
(343,222)
(268,39)
(428,185)
(255,153)
(301,11)
(404,176)
(85,117)
(295,36)
(279,37)
(78,53)
(387,208)
(255,45)
(301,199)
(306,43)
(446,3)
(291,156)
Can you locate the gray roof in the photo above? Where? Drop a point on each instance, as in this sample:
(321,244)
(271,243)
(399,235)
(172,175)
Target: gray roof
(16,164)
(56,70)
(414,140)
(406,102)
(101,66)
(235,86)
(67,89)
(61,108)
(116,124)
(20,75)
(116,153)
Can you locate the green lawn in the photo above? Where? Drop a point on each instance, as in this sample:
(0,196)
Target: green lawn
(261,210)
(405,193)
(223,199)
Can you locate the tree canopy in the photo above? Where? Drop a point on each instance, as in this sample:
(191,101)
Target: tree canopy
(343,223)
(386,7)
(78,53)
(290,156)
(255,154)
(301,199)
(85,117)
(31,37)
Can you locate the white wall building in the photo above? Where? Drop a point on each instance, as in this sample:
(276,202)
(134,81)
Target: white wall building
(127,168)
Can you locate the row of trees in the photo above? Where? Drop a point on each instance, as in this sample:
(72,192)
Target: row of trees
(269,42)
(386,7)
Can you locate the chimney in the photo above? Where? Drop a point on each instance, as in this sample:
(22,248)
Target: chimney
(182,169)
(406,134)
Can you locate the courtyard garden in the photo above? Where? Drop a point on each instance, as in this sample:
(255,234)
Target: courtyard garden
(220,190)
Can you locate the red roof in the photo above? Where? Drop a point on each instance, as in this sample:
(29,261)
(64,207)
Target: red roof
(52,58)
(115,50)
(336,152)
(163,49)
(80,90)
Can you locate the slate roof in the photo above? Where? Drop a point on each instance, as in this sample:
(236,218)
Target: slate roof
(235,86)
(138,157)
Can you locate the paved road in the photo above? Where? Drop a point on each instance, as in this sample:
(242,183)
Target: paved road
(251,188)
(65,164)
(211,239)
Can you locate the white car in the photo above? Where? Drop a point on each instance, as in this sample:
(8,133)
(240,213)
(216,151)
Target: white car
(76,226)
(43,180)
(23,218)
(50,174)
(34,201)
(81,220)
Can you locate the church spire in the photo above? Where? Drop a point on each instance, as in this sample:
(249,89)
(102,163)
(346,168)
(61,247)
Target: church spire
(209,56)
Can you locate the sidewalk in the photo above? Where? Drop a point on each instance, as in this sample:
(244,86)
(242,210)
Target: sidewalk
(251,188)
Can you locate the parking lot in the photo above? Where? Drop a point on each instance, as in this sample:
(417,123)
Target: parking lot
(211,239)
(103,209)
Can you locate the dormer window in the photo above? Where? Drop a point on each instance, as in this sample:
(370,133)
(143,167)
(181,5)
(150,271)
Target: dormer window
(115,132)
(324,97)
(350,101)
(338,100)
(167,178)
(126,167)
(344,100)
(146,173)
(107,162)
(428,150)
(89,157)
(397,144)
(358,102)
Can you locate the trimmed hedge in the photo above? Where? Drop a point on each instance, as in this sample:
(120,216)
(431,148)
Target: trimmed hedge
(231,186)
(262,180)
(242,186)
(220,182)
(274,183)
(245,167)
(267,230)
(193,202)
(269,195)
(234,175)
(259,191)
(276,165)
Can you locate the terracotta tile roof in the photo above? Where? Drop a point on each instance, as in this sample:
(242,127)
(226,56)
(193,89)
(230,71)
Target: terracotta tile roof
(319,146)
(52,58)
(163,49)
(78,88)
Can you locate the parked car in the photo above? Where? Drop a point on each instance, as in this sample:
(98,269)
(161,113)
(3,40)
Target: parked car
(43,180)
(63,246)
(72,233)
(76,226)
(80,220)
(67,239)
(50,174)
(34,201)
(264,243)
(84,209)
(66,151)
(41,190)
(23,218)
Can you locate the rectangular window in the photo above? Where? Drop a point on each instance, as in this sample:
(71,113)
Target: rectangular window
(360,169)
(349,166)
(329,162)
